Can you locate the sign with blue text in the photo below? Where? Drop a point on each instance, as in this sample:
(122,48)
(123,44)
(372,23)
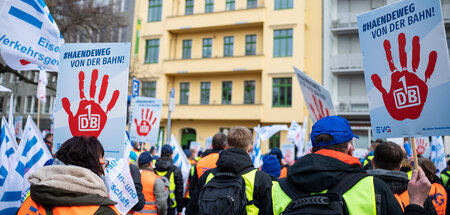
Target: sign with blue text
(29,37)
(406,68)
(92,94)
(146,119)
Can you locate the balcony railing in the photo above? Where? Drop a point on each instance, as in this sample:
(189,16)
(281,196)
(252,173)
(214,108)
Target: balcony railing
(446,12)
(346,61)
(345,20)
(353,104)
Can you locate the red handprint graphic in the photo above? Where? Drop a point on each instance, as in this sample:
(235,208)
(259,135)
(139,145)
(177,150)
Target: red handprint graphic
(319,111)
(421,146)
(144,127)
(408,92)
(90,118)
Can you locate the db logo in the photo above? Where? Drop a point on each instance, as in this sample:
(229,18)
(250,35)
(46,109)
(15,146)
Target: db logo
(406,96)
(89,123)
(383,129)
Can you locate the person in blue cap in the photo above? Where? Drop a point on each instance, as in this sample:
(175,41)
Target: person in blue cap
(271,166)
(279,155)
(332,168)
(164,167)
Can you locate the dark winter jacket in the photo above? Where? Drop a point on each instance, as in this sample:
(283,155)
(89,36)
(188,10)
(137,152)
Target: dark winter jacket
(193,178)
(397,181)
(165,164)
(322,170)
(239,162)
(136,175)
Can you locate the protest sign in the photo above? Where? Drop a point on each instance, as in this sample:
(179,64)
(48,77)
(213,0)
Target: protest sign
(317,98)
(288,151)
(31,154)
(423,146)
(208,143)
(406,68)
(29,37)
(146,119)
(438,154)
(18,126)
(256,152)
(102,111)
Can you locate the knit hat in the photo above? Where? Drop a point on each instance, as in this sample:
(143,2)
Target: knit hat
(187,153)
(277,152)
(271,165)
(336,126)
(145,158)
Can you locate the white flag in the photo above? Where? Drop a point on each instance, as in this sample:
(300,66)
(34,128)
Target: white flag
(256,153)
(268,131)
(180,160)
(301,141)
(29,37)
(41,92)
(119,181)
(8,147)
(160,142)
(31,155)
(294,132)
(438,154)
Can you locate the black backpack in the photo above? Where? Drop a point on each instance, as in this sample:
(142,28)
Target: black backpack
(224,194)
(331,202)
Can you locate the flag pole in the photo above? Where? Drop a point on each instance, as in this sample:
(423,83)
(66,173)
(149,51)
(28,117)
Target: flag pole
(39,112)
(413,146)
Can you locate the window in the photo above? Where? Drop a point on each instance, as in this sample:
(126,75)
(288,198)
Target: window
(184,93)
(28,104)
(282,43)
(209,6)
(274,141)
(282,92)
(249,92)
(224,130)
(207,47)
(154,10)
(48,106)
(189,7)
(1,78)
(283,4)
(250,44)
(35,105)
(230,5)
(228,46)
(187,47)
(1,104)
(205,89)
(226,92)
(17,104)
(252,4)
(149,89)
(152,51)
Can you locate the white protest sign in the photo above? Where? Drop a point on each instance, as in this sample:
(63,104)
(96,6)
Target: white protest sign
(406,69)
(317,98)
(423,146)
(146,119)
(120,185)
(288,151)
(29,37)
(91,97)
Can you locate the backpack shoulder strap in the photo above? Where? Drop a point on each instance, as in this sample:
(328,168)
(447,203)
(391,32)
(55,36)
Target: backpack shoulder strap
(347,182)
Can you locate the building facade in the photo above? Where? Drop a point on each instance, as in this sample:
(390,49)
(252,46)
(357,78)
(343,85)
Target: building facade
(230,62)
(343,70)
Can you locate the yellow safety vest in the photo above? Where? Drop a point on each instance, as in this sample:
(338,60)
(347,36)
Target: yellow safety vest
(249,179)
(445,176)
(360,198)
(171,186)
(367,160)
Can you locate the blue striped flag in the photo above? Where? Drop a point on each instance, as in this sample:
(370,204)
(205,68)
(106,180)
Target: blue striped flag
(179,159)
(31,154)
(8,147)
(256,153)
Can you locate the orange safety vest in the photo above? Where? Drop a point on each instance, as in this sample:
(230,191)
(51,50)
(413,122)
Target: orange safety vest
(207,162)
(283,173)
(437,194)
(29,207)
(148,179)
(399,200)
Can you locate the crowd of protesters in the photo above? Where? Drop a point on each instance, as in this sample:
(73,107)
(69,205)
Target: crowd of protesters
(223,180)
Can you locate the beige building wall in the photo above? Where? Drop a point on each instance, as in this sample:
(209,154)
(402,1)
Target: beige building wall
(305,20)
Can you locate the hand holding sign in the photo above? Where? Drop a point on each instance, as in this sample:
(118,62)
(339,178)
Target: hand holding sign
(408,92)
(144,127)
(90,118)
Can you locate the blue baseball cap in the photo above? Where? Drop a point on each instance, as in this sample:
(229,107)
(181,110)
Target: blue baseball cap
(336,126)
(145,158)
(166,150)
